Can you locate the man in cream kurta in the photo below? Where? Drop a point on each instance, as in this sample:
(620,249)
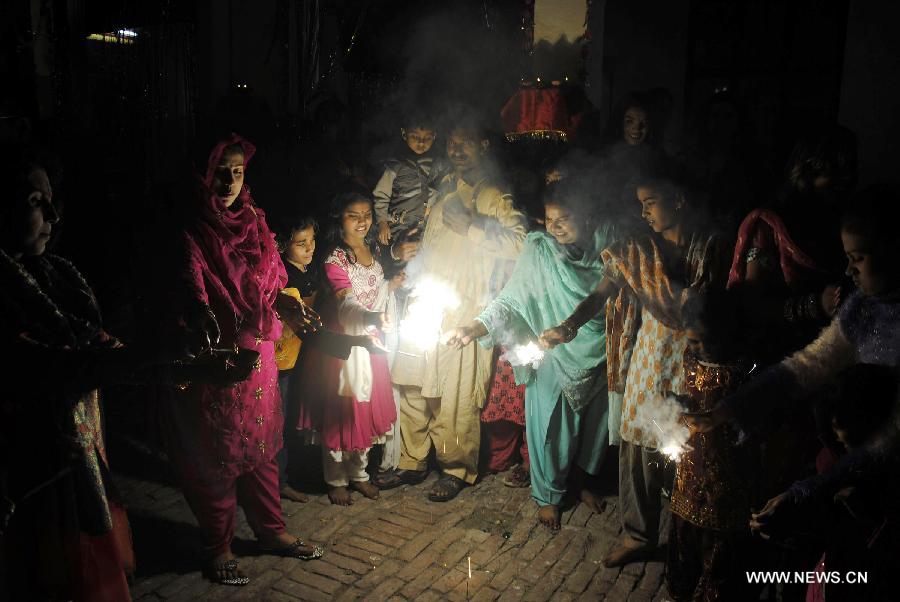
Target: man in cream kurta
(472,238)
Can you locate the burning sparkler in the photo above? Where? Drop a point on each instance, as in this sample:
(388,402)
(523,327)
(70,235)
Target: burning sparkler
(525,355)
(674,442)
(430,298)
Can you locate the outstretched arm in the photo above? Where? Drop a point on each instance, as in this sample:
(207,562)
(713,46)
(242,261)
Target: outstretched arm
(462,336)
(807,370)
(584,312)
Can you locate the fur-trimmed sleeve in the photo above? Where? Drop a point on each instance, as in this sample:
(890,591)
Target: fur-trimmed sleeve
(818,363)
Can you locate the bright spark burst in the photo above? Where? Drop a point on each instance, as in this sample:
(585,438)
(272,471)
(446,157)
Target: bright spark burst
(429,299)
(525,355)
(675,437)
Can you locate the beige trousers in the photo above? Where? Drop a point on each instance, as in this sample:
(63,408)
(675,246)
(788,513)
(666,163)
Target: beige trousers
(453,429)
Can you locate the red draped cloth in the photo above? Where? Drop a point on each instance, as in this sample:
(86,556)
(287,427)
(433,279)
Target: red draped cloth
(537,111)
(764,229)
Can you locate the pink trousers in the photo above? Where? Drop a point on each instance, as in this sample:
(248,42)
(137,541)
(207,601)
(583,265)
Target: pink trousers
(214,502)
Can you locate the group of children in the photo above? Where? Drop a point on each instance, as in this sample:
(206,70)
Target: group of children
(338,393)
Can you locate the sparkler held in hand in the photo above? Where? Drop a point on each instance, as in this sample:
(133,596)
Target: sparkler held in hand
(529,354)
(429,300)
(463,335)
(672,447)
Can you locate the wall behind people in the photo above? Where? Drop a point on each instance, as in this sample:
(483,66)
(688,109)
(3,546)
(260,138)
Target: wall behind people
(870,93)
(241,68)
(644,46)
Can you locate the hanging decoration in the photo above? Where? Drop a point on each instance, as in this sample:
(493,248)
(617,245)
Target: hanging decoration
(537,114)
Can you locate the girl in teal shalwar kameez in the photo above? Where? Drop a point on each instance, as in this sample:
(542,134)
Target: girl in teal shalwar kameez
(565,397)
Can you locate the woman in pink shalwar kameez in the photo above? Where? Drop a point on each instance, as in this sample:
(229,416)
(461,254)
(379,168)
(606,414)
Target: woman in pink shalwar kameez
(223,440)
(349,404)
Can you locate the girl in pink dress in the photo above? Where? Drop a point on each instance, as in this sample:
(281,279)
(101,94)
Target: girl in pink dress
(349,404)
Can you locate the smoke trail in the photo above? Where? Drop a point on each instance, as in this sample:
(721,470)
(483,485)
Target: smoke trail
(662,418)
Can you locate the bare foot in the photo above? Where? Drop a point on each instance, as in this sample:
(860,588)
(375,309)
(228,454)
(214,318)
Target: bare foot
(626,552)
(225,572)
(366,488)
(549,515)
(283,541)
(340,496)
(593,501)
(289,493)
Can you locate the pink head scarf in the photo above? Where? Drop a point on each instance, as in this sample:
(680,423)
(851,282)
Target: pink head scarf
(238,257)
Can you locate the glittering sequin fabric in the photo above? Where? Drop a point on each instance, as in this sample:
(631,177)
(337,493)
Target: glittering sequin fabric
(713,479)
(872,324)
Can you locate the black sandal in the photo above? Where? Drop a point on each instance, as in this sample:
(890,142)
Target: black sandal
(213,571)
(390,479)
(451,486)
(293,551)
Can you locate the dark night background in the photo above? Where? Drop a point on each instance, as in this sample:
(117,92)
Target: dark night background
(310,80)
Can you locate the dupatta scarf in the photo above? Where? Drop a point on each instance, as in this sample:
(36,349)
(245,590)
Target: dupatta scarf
(233,251)
(649,279)
(545,287)
(793,261)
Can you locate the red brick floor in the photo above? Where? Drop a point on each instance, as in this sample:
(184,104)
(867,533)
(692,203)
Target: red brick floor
(400,547)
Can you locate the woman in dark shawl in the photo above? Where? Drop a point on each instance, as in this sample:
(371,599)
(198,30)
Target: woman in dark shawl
(62,536)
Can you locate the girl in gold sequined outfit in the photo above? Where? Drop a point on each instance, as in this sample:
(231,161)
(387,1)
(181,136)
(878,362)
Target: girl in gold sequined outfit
(709,533)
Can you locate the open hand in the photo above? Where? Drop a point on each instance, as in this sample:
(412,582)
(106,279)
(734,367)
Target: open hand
(370,343)
(384,233)
(300,317)
(219,367)
(705,422)
(201,329)
(831,300)
(406,246)
(552,337)
(459,337)
(760,521)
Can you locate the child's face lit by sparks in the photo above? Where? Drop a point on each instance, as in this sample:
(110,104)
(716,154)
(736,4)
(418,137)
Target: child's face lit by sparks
(228,177)
(660,212)
(635,126)
(419,140)
(695,344)
(870,273)
(561,224)
(301,247)
(356,220)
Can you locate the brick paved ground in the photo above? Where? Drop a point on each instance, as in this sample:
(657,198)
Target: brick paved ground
(401,547)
